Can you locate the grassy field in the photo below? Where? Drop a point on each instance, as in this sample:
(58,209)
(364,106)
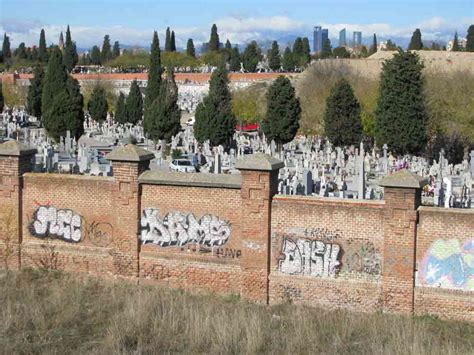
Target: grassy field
(55,313)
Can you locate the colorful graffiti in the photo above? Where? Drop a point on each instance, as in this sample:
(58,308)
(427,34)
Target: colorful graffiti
(448,264)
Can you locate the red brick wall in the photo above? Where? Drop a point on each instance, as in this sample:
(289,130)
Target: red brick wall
(445,263)
(192,265)
(326,252)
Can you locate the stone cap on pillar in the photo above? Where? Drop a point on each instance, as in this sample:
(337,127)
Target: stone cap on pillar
(404,179)
(130,153)
(260,162)
(14,148)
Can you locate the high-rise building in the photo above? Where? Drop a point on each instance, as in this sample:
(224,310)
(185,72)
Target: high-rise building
(357,39)
(319,36)
(342,38)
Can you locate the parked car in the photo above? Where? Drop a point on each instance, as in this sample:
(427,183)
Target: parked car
(182,165)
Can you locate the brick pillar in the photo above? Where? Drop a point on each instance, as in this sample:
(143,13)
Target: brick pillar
(402,198)
(259,184)
(128,163)
(15,160)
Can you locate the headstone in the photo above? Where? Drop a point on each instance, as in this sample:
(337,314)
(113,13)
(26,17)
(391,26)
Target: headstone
(308,182)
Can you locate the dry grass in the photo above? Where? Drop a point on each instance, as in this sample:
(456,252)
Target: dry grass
(55,313)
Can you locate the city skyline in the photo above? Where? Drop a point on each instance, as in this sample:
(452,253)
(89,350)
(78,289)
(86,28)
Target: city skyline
(241,22)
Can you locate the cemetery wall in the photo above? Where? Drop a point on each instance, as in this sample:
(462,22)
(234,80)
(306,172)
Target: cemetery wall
(69,223)
(445,263)
(326,252)
(191,235)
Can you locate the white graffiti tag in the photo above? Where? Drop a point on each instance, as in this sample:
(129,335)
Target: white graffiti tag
(309,257)
(51,222)
(178,229)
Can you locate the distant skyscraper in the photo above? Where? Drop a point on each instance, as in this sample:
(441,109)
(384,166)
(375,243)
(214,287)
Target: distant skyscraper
(342,38)
(357,39)
(319,36)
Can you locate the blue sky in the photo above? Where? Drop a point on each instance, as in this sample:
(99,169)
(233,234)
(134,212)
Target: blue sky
(132,22)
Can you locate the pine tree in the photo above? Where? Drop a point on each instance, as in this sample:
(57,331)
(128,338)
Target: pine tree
(95,56)
(166,114)
(214,39)
(415,42)
(106,53)
(326,51)
(168,40)
(251,57)
(2,102)
(121,110)
(401,112)
(62,101)
(288,62)
(391,46)
(456,47)
(6,51)
(172,42)
(342,122)
(190,51)
(154,76)
(42,52)
(97,105)
(20,52)
(373,47)
(283,112)
(470,39)
(70,54)
(306,51)
(214,118)
(134,104)
(235,59)
(35,91)
(274,61)
(116,50)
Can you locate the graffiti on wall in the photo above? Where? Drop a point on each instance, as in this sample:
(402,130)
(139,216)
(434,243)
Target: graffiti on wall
(366,259)
(178,229)
(51,222)
(449,264)
(309,257)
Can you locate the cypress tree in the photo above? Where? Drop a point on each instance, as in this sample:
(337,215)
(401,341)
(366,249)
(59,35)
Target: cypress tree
(235,59)
(456,47)
(274,61)
(42,52)
(415,42)
(283,112)
(2,102)
(95,55)
(20,52)
(214,118)
(172,42)
(121,110)
(166,114)
(154,76)
(168,40)
(326,51)
(134,104)
(190,51)
(251,57)
(470,39)
(74,116)
(306,51)
(116,50)
(54,79)
(106,53)
(298,47)
(70,54)
(401,113)
(288,62)
(6,51)
(373,47)
(214,39)
(97,105)
(35,91)
(228,45)
(342,122)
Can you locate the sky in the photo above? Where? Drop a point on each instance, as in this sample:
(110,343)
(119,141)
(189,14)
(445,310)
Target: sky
(133,22)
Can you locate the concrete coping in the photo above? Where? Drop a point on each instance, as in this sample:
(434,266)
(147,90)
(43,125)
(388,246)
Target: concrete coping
(404,179)
(260,162)
(131,153)
(14,148)
(227,181)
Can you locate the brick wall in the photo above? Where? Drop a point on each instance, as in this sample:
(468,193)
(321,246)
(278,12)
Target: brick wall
(326,252)
(445,263)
